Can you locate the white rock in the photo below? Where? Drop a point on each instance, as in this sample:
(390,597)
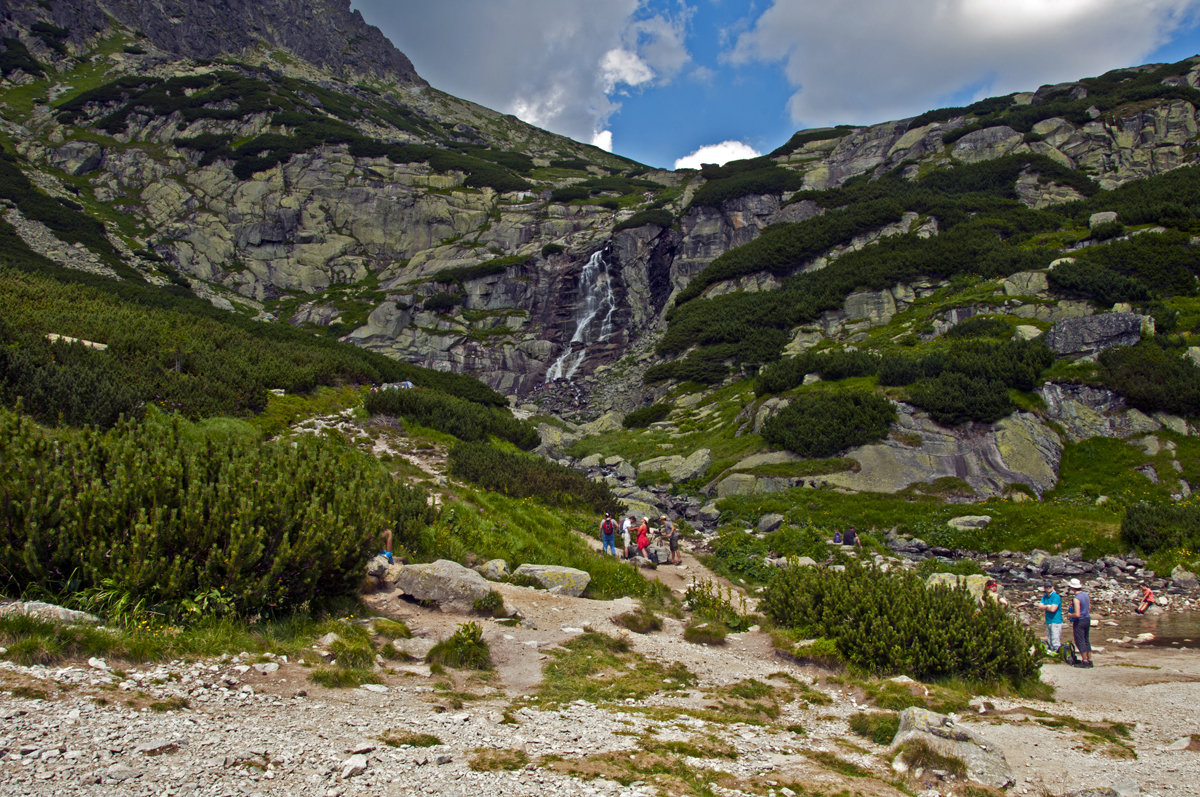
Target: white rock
(379,688)
(354,765)
(97,664)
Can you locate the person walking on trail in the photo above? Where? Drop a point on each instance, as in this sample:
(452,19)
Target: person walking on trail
(1081,621)
(386,553)
(671,535)
(627,536)
(1146,600)
(608,534)
(1052,606)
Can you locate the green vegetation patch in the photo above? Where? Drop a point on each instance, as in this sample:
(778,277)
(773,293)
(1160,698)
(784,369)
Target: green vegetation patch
(465,419)
(465,649)
(601,669)
(878,726)
(822,424)
(160,513)
(889,623)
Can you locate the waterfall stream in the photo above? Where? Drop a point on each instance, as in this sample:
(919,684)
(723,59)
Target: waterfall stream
(598,300)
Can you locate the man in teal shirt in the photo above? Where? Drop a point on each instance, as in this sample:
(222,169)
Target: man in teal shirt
(1052,605)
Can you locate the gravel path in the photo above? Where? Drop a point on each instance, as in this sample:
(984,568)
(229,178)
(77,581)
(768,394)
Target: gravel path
(245,726)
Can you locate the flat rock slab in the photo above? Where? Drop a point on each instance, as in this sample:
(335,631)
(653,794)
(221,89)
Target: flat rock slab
(571,581)
(985,763)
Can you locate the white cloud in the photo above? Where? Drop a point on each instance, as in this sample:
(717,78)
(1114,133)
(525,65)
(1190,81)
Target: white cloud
(862,61)
(558,64)
(622,66)
(717,153)
(603,140)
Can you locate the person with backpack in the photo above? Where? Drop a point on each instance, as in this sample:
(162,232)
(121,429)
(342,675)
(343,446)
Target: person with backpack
(608,534)
(1081,622)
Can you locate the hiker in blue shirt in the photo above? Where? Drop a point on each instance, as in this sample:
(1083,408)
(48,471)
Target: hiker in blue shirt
(1052,605)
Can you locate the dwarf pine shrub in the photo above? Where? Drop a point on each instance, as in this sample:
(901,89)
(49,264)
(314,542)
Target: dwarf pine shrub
(890,623)
(464,419)
(161,512)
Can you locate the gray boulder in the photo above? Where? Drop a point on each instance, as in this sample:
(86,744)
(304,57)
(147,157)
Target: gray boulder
(770,522)
(709,512)
(570,581)
(1089,335)
(448,584)
(48,611)
(1184,578)
(493,569)
(969,521)
(984,763)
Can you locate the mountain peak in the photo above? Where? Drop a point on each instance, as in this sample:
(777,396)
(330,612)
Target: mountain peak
(326,33)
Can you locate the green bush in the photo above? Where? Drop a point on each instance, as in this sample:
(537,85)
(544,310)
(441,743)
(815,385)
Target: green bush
(641,621)
(442,302)
(161,512)
(488,268)
(490,605)
(17,56)
(878,726)
(1107,230)
(708,632)
(952,398)
(1098,283)
(465,649)
(1150,528)
(889,623)
(655,216)
(464,419)
(981,327)
(644,416)
(526,476)
(829,365)
(553,249)
(1152,377)
(822,424)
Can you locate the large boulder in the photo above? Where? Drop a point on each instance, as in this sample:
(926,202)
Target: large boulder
(770,522)
(572,582)
(969,521)
(1089,335)
(1184,578)
(984,763)
(680,469)
(493,569)
(448,584)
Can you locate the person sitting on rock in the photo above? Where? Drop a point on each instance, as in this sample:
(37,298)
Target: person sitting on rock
(386,553)
(1147,599)
(850,538)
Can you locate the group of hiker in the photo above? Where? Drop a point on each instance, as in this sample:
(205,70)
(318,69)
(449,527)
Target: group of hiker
(638,538)
(1079,613)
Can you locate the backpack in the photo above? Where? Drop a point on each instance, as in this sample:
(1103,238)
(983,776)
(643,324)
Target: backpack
(608,526)
(1067,651)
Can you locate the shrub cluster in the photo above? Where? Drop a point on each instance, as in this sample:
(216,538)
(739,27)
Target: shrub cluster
(808,136)
(1153,377)
(655,216)
(644,416)
(969,380)
(890,623)
(498,265)
(178,352)
(829,365)
(464,419)
(1150,527)
(526,476)
(160,511)
(825,423)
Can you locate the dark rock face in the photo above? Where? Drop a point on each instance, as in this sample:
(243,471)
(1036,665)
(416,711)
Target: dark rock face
(323,32)
(1082,337)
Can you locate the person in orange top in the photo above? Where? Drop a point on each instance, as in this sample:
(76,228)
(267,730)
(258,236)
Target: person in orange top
(1147,599)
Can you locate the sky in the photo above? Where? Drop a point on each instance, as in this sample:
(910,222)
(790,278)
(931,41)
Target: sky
(673,83)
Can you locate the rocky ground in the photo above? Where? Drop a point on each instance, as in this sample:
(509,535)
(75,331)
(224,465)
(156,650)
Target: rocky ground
(246,725)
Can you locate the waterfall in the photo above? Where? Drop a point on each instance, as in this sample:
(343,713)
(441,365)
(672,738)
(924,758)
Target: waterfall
(598,299)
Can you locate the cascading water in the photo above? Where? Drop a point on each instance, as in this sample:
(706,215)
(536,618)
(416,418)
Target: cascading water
(598,302)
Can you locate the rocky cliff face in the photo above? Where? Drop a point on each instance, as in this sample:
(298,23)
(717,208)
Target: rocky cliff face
(382,248)
(325,33)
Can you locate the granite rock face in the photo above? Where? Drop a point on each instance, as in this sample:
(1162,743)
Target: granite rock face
(1088,336)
